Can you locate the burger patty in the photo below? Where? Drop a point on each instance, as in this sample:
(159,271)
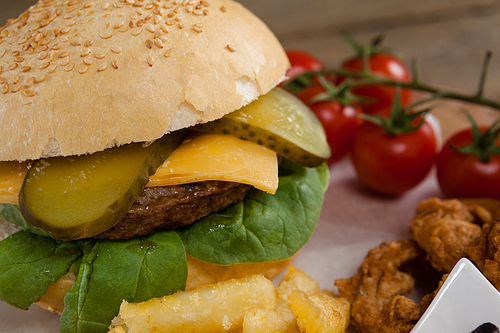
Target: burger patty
(173,206)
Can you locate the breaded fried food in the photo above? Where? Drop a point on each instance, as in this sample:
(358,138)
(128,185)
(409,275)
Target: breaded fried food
(376,291)
(445,228)
(485,252)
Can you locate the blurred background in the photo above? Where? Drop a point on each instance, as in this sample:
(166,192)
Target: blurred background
(448,37)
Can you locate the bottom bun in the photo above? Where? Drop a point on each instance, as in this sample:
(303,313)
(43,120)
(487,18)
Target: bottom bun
(199,273)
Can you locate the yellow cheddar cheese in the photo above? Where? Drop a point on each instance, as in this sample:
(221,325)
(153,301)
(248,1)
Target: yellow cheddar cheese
(199,158)
(219,157)
(11,179)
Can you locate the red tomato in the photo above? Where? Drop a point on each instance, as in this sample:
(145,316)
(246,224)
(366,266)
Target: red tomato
(393,164)
(301,62)
(462,176)
(382,65)
(339,121)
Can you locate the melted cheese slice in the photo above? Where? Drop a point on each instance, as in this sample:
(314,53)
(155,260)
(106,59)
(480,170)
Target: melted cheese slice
(201,157)
(219,157)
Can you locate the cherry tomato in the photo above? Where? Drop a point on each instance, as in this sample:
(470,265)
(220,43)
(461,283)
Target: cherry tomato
(393,164)
(382,65)
(464,175)
(301,62)
(339,121)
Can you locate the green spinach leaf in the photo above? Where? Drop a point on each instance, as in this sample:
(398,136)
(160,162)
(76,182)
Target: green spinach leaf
(112,271)
(29,263)
(263,227)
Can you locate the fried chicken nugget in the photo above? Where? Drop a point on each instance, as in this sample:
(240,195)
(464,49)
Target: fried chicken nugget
(376,291)
(445,228)
(485,252)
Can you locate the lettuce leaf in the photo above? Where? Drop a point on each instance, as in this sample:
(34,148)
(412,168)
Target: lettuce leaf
(11,213)
(29,263)
(263,227)
(155,266)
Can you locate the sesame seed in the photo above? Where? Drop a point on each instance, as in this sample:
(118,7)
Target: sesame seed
(41,78)
(136,31)
(205,3)
(105,6)
(231,48)
(88,42)
(29,93)
(197,29)
(99,55)
(149,43)
(69,67)
(116,49)
(159,43)
(148,17)
(102,68)
(16,88)
(223,9)
(114,63)
(12,66)
(65,61)
(45,65)
(163,38)
(16,79)
(18,59)
(167,53)
(25,69)
(170,22)
(65,30)
(85,53)
(130,2)
(151,61)
(83,70)
(119,24)
(2,80)
(64,54)
(105,35)
(149,27)
(76,43)
(168,5)
(123,29)
(88,4)
(5,88)
(198,12)
(51,69)
(139,23)
(87,61)
(30,82)
(181,25)
(16,53)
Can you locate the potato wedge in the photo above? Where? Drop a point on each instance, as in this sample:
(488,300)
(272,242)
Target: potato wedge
(320,312)
(214,308)
(263,321)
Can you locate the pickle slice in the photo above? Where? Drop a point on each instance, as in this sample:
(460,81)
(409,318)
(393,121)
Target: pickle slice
(281,122)
(81,196)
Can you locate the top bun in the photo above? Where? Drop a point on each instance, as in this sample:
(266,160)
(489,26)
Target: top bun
(78,77)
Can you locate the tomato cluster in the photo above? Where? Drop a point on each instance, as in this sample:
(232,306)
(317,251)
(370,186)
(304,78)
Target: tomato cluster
(392,147)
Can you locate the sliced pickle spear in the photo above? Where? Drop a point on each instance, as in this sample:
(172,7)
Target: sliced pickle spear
(281,122)
(81,196)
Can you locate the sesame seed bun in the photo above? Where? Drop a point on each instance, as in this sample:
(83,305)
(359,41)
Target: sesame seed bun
(77,77)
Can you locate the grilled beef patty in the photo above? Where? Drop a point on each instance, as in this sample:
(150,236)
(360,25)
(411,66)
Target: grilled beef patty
(169,207)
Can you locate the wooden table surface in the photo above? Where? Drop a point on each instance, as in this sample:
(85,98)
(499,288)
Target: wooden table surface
(448,37)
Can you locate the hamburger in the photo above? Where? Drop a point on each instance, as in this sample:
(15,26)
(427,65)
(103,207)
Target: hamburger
(146,149)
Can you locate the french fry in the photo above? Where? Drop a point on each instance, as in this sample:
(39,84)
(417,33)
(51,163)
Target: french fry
(263,321)
(320,312)
(295,279)
(211,309)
